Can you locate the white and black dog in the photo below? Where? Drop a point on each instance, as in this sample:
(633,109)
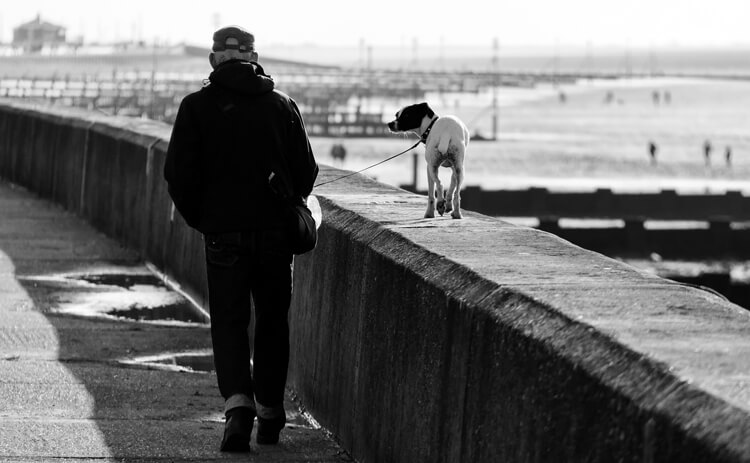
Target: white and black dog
(445,139)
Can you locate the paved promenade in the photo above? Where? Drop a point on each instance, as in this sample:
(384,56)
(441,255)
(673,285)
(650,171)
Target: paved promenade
(71,386)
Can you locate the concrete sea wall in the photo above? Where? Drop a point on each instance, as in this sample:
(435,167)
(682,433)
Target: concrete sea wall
(438,340)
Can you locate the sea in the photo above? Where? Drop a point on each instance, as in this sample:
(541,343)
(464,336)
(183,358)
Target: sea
(729,60)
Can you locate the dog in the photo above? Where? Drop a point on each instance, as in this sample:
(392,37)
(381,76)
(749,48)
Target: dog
(446,139)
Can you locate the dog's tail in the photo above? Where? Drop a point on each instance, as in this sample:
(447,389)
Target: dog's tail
(444,143)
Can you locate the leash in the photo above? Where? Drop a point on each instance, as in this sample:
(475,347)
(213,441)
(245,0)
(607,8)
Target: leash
(370,167)
(422,139)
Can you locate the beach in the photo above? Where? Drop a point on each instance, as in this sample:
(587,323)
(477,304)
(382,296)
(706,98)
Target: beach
(596,138)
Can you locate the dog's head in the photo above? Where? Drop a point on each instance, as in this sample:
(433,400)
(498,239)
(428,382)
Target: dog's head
(410,117)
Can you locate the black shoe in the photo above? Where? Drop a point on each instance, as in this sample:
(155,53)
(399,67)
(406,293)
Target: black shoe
(237,430)
(268,430)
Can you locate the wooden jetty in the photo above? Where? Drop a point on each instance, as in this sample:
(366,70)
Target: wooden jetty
(332,98)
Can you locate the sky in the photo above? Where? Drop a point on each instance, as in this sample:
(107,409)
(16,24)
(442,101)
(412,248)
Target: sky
(351,23)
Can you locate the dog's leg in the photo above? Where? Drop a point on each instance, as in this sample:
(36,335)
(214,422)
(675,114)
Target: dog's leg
(439,192)
(451,192)
(458,174)
(438,187)
(431,175)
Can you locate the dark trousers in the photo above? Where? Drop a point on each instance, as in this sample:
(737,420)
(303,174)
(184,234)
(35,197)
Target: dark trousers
(241,267)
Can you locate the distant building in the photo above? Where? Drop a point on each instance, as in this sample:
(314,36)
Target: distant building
(37,34)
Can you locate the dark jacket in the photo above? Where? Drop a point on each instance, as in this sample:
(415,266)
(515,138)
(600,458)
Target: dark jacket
(226,140)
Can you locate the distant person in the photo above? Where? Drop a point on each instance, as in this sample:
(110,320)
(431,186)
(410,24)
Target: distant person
(478,135)
(707,152)
(609,97)
(667,97)
(728,156)
(563,97)
(338,153)
(228,142)
(655,97)
(652,148)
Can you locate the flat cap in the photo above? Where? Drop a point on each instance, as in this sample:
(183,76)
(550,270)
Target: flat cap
(233,38)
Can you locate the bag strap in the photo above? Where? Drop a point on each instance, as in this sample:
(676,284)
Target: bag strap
(284,169)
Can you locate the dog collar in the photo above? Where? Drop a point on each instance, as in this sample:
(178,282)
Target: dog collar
(427,130)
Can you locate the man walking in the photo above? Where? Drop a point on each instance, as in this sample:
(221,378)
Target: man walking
(228,140)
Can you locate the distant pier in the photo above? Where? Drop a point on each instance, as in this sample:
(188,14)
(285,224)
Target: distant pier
(335,101)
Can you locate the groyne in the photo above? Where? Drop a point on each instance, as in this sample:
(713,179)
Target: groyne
(670,224)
